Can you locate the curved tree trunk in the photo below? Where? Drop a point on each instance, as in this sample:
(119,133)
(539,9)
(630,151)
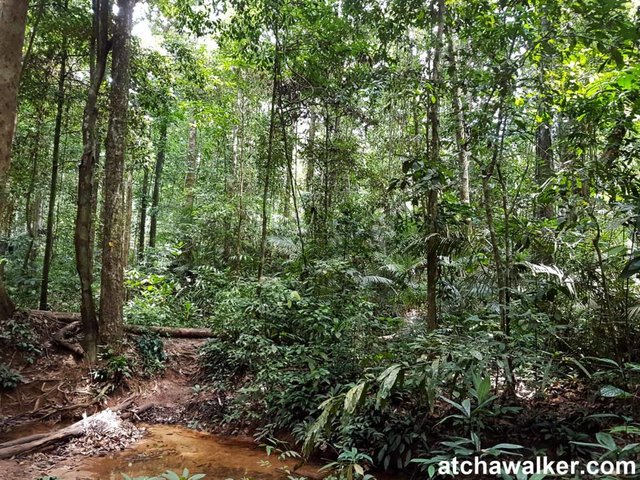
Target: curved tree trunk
(13,18)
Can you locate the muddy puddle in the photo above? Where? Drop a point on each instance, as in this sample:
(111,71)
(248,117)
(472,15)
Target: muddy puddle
(167,447)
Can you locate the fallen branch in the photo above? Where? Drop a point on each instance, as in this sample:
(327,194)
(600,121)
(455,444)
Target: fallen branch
(69,317)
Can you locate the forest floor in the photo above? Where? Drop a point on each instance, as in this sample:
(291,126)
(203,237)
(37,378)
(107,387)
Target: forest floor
(167,413)
(167,417)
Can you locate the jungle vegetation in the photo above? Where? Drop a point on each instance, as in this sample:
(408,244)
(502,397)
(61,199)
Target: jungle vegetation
(412,225)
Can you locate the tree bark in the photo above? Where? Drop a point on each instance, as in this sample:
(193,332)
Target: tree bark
(83,236)
(157,182)
(113,249)
(53,190)
(13,18)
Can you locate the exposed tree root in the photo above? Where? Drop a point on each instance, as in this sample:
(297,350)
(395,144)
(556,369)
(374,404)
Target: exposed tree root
(59,339)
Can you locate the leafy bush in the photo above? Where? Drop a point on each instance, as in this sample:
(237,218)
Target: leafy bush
(289,343)
(114,371)
(19,334)
(9,379)
(150,347)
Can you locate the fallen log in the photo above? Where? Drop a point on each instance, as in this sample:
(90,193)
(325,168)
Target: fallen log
(170,332)
(69,317)
(29,443)
(37,441)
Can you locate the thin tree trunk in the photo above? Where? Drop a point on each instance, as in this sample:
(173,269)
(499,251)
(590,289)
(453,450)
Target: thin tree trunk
(128,205)
(142,225)
(432,196)
(501,274)
(268,166)
(289,153)
(32,37)
(460,127)
(311,161)
(53,189)
(157,182)
(31,206)
(13,18)
(240,176)
(113,249)
(83,236)
(192,167)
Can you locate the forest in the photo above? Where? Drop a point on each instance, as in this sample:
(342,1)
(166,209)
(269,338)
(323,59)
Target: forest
(305,239)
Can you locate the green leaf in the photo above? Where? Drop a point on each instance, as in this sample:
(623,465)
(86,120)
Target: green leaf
(611,391)
(507,446)
(606,441)
(483,389)
(388,378)
(353,397)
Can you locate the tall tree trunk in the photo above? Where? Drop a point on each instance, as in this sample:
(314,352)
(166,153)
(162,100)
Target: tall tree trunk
(269,162)
(239,161)
(544,157)
(462,146)
(544,165)
(502,274)
(432,195)
(53,189)
(192,168)
(142,225)
(113,236)
(157,182)
(83,236)
(13,18)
